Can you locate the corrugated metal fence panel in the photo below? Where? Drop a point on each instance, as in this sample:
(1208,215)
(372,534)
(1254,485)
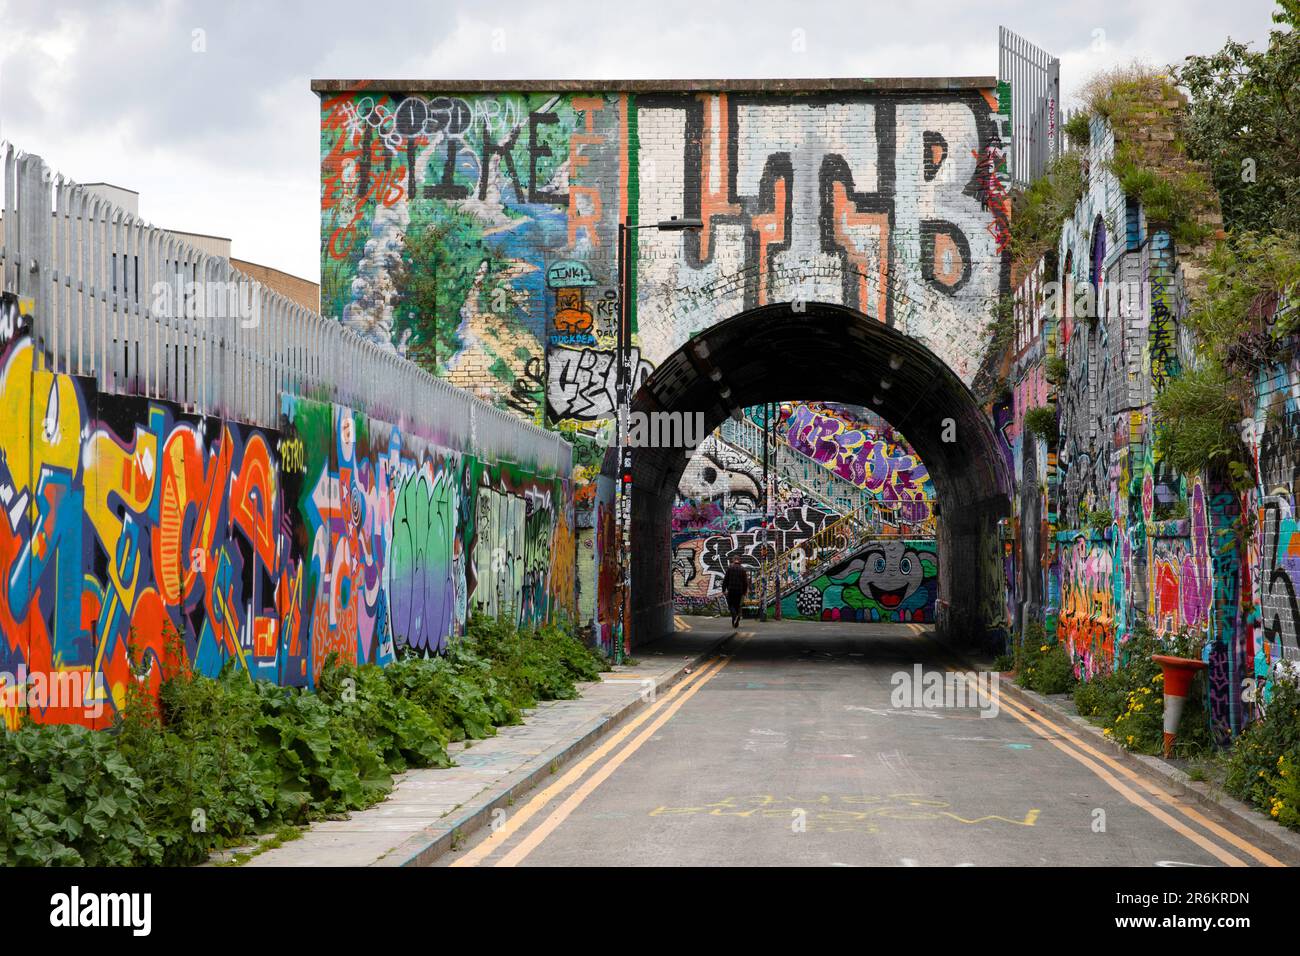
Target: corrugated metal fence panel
(145,313)
(1034,76)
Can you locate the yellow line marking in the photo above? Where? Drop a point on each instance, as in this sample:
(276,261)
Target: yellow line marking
(538,803)
(1031,817)
(574,800)
(1190,812)
(1133,797)
(1169,799)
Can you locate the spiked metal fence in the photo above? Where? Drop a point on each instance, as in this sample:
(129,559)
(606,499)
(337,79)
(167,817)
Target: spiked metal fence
(145,313)
(1034,78)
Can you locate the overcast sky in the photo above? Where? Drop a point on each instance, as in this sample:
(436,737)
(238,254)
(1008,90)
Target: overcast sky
(225,141)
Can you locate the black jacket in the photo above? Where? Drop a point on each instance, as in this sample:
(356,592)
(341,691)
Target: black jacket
(735,581)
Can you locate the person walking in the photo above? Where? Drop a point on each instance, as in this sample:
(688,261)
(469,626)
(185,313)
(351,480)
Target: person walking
(735,584)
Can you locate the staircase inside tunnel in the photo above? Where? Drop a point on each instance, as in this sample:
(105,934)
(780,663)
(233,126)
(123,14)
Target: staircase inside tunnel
(942,562)
(826,507)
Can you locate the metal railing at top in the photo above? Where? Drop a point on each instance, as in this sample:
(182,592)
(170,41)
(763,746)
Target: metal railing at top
(144,312)
(817,483)
(1034,77)
(823,486)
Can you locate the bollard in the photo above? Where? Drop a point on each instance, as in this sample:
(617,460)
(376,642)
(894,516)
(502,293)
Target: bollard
(1178,673)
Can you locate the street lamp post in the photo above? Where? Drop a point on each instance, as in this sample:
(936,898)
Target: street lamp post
(767,561)
(776,472)
(623,393)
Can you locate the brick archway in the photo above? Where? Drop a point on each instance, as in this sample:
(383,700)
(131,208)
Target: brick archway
(830,352)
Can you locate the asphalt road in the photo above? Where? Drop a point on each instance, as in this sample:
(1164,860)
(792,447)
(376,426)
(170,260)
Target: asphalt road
(787,750)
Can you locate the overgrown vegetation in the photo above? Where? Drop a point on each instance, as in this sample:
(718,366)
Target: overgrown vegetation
(1153,170)
(217,760)
(1002,323)
(1174,198)
(1175,510)
(1042,667)
(1197,415)
(1264,765)
(1040,211)
(1128,702)
(1076,129)
(1237,334)
(1100,520)
(1246,276)
(1127,93)
(1243,121)
(1041,421)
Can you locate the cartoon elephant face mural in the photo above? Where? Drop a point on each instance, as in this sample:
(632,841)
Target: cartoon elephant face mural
(888,573)
(887,580)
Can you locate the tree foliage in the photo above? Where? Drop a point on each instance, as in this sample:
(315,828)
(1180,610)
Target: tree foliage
(1244,122)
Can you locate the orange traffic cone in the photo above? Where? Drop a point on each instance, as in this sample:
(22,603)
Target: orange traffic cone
(1178,672)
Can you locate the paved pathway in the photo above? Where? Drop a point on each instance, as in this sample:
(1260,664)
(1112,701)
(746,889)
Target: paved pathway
(789,750)
(426,806)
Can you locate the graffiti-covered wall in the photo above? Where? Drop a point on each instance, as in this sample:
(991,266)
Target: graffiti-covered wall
(1106,536)
(718,509)
(701,556)
(477,232)
(1269,572)
(887,580)
(268,549)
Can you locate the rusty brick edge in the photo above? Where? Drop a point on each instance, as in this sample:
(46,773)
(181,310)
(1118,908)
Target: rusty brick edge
(789,85)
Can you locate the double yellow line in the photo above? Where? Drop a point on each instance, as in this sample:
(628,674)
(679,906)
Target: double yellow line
(658,714)
(1110,770)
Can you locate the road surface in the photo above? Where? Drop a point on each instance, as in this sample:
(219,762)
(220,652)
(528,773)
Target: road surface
(786,749)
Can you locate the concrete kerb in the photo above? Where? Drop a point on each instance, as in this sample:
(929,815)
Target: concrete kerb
(432,842)
(1272,836)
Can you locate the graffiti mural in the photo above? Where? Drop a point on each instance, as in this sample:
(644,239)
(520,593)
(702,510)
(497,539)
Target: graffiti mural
(861,449)
(477,232)
(1087,621)
(700,559)
(887,580)
(266,549)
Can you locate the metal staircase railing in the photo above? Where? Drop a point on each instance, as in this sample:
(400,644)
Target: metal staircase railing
(806,560)
(810,477)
